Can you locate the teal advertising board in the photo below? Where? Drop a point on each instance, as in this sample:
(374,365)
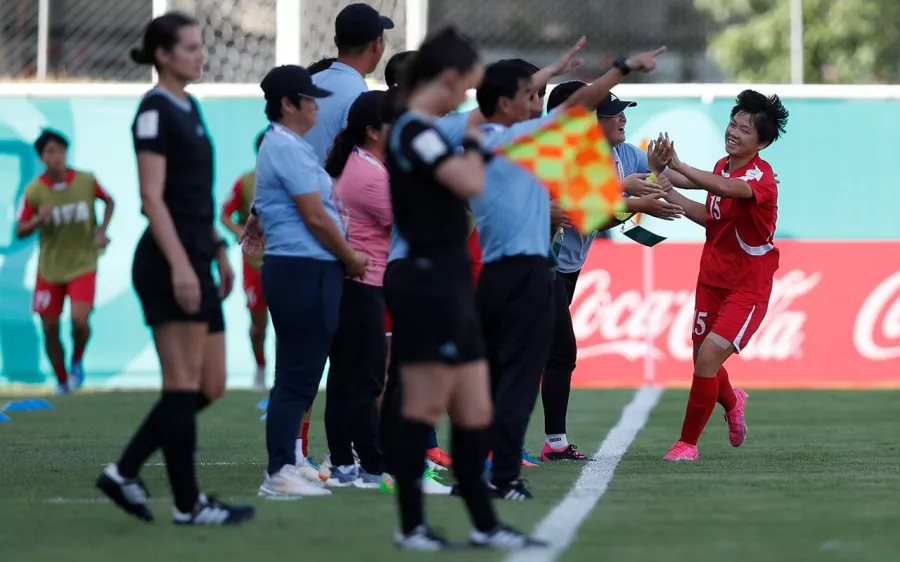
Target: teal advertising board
(834,150)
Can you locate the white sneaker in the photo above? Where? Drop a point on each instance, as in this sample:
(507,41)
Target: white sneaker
(307,471)
(432,487)
(325,467)
(288,483)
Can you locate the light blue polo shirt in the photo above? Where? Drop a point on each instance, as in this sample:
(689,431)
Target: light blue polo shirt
(345,85)
(287,166)
(513,212)
(575,246)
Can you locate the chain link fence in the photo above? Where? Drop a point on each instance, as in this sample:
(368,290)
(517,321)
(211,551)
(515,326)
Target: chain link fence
(89,39)
(18,38)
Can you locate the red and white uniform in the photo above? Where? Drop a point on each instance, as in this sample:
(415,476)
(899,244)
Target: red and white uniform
(739,257)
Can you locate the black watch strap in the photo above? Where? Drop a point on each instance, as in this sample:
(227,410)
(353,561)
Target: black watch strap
(253,211)
(474,145)
(622,64)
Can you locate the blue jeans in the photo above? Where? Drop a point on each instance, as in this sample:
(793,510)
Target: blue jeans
(304,297)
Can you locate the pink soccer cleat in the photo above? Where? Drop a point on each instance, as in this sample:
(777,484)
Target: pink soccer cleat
(737,425)
(681,451)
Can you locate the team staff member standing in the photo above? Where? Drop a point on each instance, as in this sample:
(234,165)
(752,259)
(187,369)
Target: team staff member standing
(632,168)
(359,37)
(302,271)
(173,279)
(359,351)
(60,206)
(239,202)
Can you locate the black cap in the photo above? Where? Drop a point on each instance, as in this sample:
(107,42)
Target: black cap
(366,110)
(290,80)
(358,24)
(613,106)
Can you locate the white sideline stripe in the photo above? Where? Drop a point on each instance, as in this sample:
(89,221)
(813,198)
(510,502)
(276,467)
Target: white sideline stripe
(560,526)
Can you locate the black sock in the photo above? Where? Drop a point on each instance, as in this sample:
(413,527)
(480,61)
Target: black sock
(143,444)
(179,442)
(202,402)
(470,450)
(408,468)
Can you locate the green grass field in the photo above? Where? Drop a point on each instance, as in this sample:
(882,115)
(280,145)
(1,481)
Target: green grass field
(818,479)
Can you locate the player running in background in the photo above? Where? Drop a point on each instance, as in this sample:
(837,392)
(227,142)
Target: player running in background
(239,202)
(738,263)
(60,206)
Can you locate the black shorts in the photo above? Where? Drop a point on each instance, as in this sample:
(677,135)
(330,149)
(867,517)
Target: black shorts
(432,307)
(152,278)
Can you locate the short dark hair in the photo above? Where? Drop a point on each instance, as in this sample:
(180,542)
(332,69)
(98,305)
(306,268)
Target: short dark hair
(353,49)
(530,67)
(161,32)
(259,139)
(46,137)
(442,50)
(562,92)
(393,68)
(768,114)
(273,106)
(501,80)
(320,65)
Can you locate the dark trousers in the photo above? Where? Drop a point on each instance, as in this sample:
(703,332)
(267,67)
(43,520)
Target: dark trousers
(304,298)
(563,352)
(356,377)
(515,305)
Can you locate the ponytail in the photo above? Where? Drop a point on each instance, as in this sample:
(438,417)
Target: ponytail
(344,143)
(162,32)
(139,56)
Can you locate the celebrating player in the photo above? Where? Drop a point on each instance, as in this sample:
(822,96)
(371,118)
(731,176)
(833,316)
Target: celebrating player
(738,263)
(60,206)
(239,202)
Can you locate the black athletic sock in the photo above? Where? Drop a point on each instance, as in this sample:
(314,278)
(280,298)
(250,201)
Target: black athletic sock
(470,450)
(408,468)
(202,402)
(179,442)
(143,443)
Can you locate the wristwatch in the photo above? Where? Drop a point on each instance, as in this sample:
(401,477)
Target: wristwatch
(474,145)
(622,64)
(253,211)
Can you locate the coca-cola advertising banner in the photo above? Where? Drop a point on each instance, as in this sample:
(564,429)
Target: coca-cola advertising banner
(833,318)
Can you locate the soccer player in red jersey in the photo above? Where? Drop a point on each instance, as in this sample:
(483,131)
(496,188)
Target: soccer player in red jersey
(239,202)
(60,206)
(738,263)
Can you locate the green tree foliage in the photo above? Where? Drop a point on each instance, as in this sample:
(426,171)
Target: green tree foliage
(845,41)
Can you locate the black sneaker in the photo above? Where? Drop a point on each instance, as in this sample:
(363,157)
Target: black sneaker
(130,494)
(423,538)
(514,491)
(210,511)
(504,538)
(570,453)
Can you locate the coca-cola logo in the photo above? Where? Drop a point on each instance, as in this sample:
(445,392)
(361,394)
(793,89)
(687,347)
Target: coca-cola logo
(631,322)
(882,303)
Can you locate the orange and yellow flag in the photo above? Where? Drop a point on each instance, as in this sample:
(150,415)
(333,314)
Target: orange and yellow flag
(572,158)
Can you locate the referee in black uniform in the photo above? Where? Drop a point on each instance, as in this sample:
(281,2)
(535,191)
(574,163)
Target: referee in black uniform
(172,275)
(437,339)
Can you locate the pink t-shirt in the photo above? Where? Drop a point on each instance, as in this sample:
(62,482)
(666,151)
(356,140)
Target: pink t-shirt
(364,191)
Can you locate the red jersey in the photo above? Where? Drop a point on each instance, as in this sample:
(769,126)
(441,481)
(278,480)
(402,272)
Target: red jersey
(475,255)
(739,253)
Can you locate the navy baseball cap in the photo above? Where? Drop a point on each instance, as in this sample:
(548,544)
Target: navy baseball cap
(613,106)
(291,80)
(358,24)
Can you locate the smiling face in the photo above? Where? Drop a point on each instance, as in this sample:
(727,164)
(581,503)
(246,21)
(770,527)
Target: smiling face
(614,128)
(741,137)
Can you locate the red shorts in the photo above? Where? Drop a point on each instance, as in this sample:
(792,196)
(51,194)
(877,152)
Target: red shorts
(734,315)
(49,298)
(388,325)
(253,288)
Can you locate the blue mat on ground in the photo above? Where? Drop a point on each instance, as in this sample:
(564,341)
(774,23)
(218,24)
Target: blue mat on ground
(4,418)
(263,404)
(30,405)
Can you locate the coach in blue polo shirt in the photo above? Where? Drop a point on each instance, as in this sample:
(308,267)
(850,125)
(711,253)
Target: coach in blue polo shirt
(306,258)
(359,37)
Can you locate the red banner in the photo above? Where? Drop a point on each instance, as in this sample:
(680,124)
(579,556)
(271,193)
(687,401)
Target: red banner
(833,318)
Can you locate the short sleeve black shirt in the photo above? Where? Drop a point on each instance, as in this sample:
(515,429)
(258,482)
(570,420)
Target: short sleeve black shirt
(174,128)
(430,217)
